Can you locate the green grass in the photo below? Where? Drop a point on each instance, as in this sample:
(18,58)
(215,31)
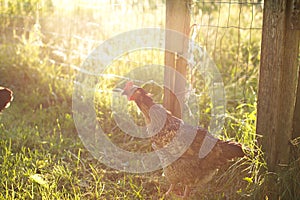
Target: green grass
(41,155)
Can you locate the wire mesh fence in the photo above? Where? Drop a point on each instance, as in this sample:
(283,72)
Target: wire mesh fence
(65,33)
(53,38)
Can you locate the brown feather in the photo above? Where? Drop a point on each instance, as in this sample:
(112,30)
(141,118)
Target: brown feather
(189,169)
(5,97)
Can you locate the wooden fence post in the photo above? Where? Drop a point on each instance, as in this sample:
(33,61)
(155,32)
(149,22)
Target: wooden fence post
(177,19)
(296,121)
(277,86)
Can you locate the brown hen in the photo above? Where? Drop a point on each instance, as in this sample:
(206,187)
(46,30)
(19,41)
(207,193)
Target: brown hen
(6,96)
(190,155)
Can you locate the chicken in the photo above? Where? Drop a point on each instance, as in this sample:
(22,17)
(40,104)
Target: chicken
(6,96)
(202,154)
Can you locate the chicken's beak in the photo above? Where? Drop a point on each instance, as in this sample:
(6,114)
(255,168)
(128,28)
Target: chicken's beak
(129,92)
(124,92)
(119,90)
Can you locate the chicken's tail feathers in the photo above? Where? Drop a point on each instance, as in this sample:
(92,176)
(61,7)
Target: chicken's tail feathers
(232,150)
(6,96)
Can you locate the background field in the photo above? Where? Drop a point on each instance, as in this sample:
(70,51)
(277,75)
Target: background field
(43,44)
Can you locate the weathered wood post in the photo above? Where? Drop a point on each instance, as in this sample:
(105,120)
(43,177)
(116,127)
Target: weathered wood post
(277,85)
(177,19)
(296,123)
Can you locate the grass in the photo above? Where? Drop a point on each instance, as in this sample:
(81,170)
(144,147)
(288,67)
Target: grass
(47,161)
(41,155)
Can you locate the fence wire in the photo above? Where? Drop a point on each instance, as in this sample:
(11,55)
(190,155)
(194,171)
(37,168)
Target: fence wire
(67,31)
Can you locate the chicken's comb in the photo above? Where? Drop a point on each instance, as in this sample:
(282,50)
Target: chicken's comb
(128,85)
